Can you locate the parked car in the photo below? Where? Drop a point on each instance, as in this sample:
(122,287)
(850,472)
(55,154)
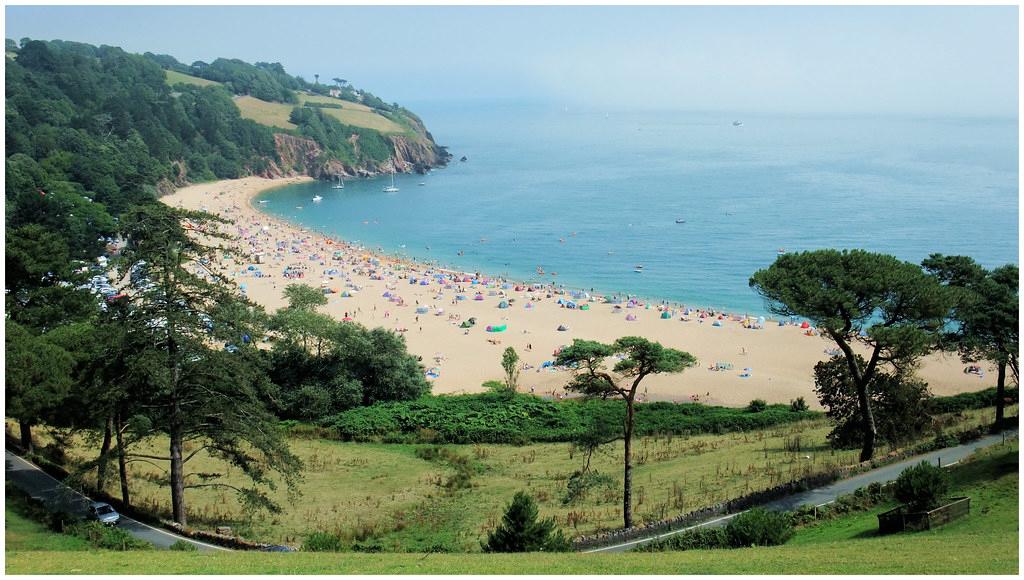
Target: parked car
(104,513)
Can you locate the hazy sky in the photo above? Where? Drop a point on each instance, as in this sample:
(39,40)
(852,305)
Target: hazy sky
(917,60)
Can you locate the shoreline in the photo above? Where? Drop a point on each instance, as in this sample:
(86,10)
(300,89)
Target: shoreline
(774,363)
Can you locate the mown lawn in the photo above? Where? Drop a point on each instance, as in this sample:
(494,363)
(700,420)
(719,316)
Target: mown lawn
(277,114)
(175,77)
(22,533)
(386,496)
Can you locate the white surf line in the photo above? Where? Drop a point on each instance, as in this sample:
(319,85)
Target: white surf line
(60,486)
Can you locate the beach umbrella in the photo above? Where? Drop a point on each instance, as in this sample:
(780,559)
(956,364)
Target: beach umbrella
(529,305)
(478,297)
(439,312)
(422,310)
(562,327)
(630,317)
(460,297)
(716,323)
(503,304)
(666,315)
(805,325)
(585,307)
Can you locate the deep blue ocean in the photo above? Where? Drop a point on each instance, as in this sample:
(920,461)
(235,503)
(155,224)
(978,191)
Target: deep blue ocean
(592,194)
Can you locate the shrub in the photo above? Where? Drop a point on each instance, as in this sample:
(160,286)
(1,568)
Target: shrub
(580,483)
(106,537)
(183,546)
(759,527)
(757,405)
(696,539)
(922,487)
(322,542)
(520,419)
(798,405)
(521,531)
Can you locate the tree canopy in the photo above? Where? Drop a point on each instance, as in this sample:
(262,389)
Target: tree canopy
(890,307)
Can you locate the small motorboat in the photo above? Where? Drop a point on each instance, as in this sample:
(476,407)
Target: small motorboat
(262,201)
(317,198)
(680,221)
(737,123)
(781,251)
(639,269)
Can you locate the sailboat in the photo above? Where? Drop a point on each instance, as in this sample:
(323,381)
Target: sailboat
(391,188)
(340,184)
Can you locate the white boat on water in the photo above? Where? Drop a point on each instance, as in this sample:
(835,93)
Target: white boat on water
(263,201)
(317,198)
(391,188)
(639,269)
(680,221)
(737,123)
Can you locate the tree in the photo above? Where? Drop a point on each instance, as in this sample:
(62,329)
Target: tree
(37,374)
(213,399)
(640,358)
(520,531)
(890,307)
(510,363)
(985,314)
(898,404)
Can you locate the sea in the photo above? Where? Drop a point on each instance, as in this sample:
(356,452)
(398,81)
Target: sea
(700,200)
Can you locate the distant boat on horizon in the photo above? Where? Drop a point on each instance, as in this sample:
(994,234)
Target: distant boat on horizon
(737,123)
(680,221)
(391,188)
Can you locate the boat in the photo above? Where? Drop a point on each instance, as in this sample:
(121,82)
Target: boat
(391,188)
(737,123)
(340,184)
(317,198)
(422,183)
(781,251)
(639,268)
(263,201)
(680,221)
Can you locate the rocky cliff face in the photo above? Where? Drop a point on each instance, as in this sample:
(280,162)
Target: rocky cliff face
(304,156)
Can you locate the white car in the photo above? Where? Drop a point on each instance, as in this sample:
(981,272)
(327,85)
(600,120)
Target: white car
(104,513)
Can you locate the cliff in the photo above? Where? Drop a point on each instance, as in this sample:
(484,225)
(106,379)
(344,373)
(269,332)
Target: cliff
(304,156)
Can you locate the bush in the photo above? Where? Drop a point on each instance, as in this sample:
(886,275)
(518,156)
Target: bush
(759,527)
(580,483)
(757,405)
(798,405)
(521,531)
(106,537)
(183,546)
(519,419)
(968,401)
(322,542)
(696,539)
(922,487)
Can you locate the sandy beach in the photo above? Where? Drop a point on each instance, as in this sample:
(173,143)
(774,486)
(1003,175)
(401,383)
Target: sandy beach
(422,303)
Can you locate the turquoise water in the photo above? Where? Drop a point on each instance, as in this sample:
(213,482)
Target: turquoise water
(535,174)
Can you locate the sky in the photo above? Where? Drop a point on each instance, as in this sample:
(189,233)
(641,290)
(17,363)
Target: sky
(921,60)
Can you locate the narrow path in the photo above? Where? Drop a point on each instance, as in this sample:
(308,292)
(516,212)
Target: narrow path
(828,494)
(58,497)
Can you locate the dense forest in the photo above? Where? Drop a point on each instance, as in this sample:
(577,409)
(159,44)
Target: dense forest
(110,332)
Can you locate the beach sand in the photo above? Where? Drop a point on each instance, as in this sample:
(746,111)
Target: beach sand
(780,358)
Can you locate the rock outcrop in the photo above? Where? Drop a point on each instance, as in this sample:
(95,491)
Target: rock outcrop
(304,156)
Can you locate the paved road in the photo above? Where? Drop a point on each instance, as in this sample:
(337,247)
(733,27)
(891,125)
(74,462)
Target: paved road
(829,493)
(57,496)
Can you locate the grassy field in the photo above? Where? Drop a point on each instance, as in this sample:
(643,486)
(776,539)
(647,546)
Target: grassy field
(21,532)
(985,542)
(175,77)
(386,495)
(276,114)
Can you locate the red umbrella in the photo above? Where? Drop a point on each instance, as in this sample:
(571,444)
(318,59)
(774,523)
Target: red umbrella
(805,325)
